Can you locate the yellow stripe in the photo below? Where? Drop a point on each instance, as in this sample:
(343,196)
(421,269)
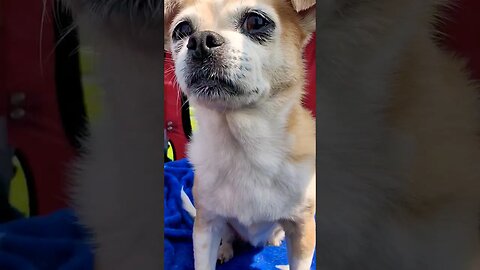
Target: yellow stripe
(18,195)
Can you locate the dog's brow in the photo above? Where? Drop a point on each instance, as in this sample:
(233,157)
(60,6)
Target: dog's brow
(181,19)
(189,16)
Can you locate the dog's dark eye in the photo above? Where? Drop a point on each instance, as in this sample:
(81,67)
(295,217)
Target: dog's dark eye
(258,26)
(182,30)
(254,22)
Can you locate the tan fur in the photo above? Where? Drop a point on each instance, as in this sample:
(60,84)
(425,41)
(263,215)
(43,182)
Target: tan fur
(300,5)
(301,126)
(303,230)
(171,8)
(300,227)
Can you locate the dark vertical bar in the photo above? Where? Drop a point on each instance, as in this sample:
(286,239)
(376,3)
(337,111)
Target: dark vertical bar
(162,77)
(68,77)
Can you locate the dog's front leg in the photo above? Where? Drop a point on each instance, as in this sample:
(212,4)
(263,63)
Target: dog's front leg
(300,237)
(207,234)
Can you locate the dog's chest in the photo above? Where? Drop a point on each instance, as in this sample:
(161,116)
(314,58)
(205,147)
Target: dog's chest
(231,185)
(233,188)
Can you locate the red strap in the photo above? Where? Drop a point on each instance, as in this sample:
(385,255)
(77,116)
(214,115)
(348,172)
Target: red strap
(29,62)
(311,66)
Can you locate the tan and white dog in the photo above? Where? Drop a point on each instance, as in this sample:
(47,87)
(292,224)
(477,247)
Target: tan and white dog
(398,147)
(240,64)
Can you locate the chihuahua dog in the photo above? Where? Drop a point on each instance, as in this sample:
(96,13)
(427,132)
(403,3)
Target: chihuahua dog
(398,147)
(240,64)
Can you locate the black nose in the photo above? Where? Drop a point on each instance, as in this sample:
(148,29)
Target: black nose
(202,44)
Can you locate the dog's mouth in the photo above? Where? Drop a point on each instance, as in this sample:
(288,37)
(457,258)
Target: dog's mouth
(212,87)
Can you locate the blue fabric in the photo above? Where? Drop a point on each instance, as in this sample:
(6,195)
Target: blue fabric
(57,242)
(178,230)
(44,243)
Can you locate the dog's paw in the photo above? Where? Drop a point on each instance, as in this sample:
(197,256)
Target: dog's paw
(276,238)
(282,267)
(225,252)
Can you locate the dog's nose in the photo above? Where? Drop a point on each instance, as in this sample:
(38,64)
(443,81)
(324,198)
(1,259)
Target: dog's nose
(201,44)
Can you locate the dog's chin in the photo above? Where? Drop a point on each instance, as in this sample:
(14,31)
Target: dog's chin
(219,95)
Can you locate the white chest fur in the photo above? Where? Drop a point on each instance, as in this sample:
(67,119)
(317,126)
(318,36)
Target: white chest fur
(242,168)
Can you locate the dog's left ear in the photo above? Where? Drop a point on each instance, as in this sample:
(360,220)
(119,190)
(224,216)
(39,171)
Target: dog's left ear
(306,9)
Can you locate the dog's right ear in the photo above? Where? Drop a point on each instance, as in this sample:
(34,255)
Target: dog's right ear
(301,5)
(171,9)
(306,9)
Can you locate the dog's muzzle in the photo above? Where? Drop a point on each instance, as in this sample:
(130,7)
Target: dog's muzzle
(207,73)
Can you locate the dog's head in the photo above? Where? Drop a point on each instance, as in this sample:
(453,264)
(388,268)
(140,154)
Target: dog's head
(230,54)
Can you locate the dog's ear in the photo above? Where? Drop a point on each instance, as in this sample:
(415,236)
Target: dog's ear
(300,5)
(306,9)
(171,9)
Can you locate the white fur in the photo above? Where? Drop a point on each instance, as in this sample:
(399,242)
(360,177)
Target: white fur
(248,61)
(117,184)
(187,204)
(241,150)
(303,264)
(249,187)
(228,171)
(206,249)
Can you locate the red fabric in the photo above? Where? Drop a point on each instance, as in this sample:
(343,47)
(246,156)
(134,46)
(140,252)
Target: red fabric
(27,64)
(463,33)
(311,66)
(173,114)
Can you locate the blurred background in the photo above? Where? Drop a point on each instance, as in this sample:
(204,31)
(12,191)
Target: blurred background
(48,96)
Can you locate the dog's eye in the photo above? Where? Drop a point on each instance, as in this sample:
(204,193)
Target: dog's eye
(254,22)
(257,26)
(182,30)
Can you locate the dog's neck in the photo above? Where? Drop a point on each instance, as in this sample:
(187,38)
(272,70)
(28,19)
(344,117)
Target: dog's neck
(273,112)
(255,130)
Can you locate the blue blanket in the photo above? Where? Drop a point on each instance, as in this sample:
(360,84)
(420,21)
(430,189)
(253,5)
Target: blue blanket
(57,242)
(178,230)
(44,243)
